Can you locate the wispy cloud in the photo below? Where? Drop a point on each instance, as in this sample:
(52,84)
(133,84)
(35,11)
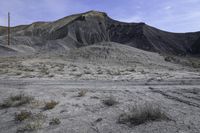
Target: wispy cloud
(168,7)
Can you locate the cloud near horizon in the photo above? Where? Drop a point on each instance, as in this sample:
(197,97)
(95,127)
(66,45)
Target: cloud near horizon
(169,15)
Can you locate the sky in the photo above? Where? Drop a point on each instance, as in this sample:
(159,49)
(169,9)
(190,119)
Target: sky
(169,15)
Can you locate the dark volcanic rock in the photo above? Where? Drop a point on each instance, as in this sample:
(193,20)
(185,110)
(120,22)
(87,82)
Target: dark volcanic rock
(93,27)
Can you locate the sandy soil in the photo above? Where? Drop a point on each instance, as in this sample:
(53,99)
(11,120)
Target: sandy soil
(79,88)
(88,114)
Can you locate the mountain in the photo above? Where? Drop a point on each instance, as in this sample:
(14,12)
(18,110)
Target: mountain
(94,27)
(196,47)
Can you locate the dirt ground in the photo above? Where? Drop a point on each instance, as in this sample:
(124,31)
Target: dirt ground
(80,90)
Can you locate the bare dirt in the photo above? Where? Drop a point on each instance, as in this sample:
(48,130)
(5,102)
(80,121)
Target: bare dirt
(80,86)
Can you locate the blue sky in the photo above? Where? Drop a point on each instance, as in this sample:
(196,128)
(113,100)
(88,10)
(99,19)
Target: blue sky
(169,15)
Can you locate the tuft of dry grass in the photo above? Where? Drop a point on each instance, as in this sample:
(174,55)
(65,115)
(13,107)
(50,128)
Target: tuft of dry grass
(18,73)
(55,121)
(131,69)
(30,127)
(16,100)
(110,101)
(99,71)
(23,115)
(34,123)
(142,114)
(87,72)
(50,105)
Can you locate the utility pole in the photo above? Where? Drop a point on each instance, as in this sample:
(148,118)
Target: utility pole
(8,28)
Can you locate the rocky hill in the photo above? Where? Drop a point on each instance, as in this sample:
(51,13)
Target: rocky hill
(93,27)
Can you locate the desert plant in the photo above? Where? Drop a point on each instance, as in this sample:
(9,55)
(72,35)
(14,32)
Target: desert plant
(76,74)
(18,73)
(44,70)
(28,69)
(87,72)
(60,67)
(99,71)
(34,122)
(142,114)
(51,75)
(50,105)
(168,59)
(32,126)
(74,69)
(113,72)
(195,64)
(16,100)
(54,121)
(23,115)
(82,93)
(171,59)
(131,69)
(110,101)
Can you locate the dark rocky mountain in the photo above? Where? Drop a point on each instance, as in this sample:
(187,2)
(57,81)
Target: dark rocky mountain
(93,27)
(196,47)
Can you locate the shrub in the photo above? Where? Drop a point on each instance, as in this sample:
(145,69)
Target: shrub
(18,73)
(142,114)
(35,125)
(87,72)
(23,115)
(16,100)
(44,70)
(76,74)
(74,69)
(51,76)
(195,64)
(99,71)
(50,105)
(168,59)
(113,72)
(54,121)
(131,69)
(110,101)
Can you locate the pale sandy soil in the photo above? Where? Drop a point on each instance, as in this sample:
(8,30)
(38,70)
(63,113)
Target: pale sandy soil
(173,88)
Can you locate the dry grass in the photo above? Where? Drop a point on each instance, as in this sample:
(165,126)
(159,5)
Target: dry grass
(131,69)
(16,100)
(142,114)
(33,123)
(30,127)
(74,69)
(110,101)
(99,71)
(50,105)
(87,72)
(54,121)
(23,115)
(113,72)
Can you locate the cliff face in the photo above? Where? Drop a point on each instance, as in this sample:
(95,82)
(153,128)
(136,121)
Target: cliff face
(94,27)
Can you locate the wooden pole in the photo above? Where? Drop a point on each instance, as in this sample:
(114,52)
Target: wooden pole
(8,28)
